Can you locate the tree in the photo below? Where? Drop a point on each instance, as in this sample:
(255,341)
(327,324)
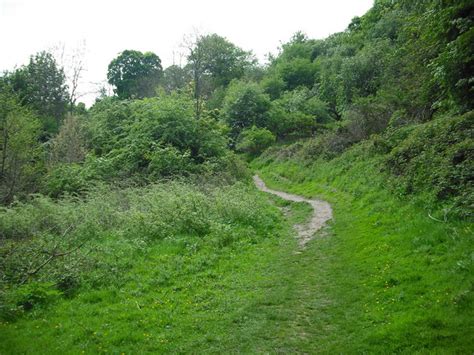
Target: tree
(68,146)
(215,62)
(135,74)
(245,105)
(297,113)
(74,73)
(294,66)
(19,147)
(175,78)
(41,85)
(453,69)
(156,136)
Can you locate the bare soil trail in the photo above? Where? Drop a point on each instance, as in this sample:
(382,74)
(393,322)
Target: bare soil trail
(322,211)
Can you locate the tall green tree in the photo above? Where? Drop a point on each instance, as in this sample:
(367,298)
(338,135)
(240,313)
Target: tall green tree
(215,62)
(41,85)
(134,74)
(245,105)
(19,147)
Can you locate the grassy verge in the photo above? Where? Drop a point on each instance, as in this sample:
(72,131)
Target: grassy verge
(388,278)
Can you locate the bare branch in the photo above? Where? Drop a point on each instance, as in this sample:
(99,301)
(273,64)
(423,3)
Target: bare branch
(52,255)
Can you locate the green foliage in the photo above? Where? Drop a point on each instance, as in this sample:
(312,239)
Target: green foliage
(220,61)
(360,75)
(35,293)
(68,178)
(135,74)
(69,145)
(41,85)
(214,62)
(254,140)
(297,72)
(294,67)
(453,67)
(273,85)
(297,114)
(245,105)
(175,78)
(20,151)
(142,137)
(437,158)
(169,161)
(365,117)
(107,123)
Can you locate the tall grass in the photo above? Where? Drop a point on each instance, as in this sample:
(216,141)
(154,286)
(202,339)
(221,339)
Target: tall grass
(57,247)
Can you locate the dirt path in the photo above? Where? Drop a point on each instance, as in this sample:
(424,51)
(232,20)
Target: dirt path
(322,212)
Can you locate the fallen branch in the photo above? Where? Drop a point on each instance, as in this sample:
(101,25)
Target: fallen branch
(436,219)
(52,255)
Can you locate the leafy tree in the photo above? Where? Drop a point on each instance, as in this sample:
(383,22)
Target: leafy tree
(135,74)
(107,123)
(297,113)
(219,60)
(297,72)
(453,69)
(19,147)
(41,85)
(215,62)
(155,136)
(360,75)
(175,78)
(273,85)
(299,46)
(294,65)
(245,105)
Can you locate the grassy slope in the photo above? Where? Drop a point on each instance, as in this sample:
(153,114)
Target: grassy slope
(383,277)
(181,294)
(387,278)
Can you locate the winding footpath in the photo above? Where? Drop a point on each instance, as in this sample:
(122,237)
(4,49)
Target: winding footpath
(322,211)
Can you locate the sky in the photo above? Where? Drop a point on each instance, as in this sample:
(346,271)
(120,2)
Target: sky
(104,28)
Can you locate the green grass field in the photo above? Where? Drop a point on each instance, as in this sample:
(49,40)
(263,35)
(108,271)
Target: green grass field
(382,277)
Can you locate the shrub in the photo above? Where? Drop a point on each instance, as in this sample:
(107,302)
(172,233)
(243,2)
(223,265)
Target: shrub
(245,105)
(67,178)
(168,161)
(255,140)
(92,242)
(438,157)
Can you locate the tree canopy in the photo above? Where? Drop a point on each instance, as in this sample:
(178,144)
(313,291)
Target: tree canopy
(135,74)
(41,85)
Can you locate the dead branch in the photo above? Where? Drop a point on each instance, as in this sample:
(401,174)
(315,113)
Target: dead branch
(53,254)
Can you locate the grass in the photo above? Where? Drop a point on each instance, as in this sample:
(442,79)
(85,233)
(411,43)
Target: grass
(186,269)
(388,278)
(189,290)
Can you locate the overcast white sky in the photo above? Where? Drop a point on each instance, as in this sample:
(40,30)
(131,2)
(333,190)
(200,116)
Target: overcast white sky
(109,26)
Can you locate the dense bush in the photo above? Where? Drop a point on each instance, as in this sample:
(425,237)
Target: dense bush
(53,247)
(255,140)
(437,157)
(297,114)
(245,105)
